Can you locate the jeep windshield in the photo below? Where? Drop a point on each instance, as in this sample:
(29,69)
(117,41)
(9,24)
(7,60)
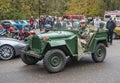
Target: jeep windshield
(66,25)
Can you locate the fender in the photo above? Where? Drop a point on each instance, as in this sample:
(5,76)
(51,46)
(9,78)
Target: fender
(52,43)
(96,40)
(70,43)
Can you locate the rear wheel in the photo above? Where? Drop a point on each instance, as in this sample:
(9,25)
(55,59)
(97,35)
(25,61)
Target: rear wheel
(54,60)
(100,53)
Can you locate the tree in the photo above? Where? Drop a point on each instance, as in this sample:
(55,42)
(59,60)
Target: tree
(86,7)
(23,9)
(112,4)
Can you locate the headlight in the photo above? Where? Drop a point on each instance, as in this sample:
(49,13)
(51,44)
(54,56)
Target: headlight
(30,37)
(45,39)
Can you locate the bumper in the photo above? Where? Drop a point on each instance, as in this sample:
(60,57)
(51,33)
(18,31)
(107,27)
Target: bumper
(31,53)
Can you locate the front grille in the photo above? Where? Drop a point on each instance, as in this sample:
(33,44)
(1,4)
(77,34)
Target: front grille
(35,43)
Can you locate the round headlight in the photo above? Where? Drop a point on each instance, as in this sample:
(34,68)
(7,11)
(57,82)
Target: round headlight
(30,37)
(45,39)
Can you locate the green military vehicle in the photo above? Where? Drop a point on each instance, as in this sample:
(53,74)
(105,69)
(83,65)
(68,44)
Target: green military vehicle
(54,46)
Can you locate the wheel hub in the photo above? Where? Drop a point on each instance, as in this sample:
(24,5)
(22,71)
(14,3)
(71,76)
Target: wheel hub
(6,52)
(55,61)
(100,53)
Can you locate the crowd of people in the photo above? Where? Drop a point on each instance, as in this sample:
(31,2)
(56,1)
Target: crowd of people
(110,25)
(42,21)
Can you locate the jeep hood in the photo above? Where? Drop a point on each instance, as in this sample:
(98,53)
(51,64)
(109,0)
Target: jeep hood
(56,34)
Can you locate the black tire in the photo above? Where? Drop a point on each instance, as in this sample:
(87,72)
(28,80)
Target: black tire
(54,60)
(29,60)
(100,53)
(6,52)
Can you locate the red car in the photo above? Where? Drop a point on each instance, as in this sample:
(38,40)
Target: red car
(7,26)
(1,27)
(80,17)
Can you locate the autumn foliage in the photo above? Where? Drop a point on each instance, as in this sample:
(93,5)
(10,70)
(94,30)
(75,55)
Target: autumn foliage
(23,9)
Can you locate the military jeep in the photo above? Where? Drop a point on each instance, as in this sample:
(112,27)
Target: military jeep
(54,46)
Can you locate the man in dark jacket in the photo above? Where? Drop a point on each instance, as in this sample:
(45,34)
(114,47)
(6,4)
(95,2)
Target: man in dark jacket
(110,26)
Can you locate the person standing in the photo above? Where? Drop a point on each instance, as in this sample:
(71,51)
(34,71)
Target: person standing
(35,24)
(110,26)
(97,22)
(31,23)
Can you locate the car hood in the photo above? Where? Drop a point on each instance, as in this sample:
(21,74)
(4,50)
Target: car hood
(117,28)
(20,25)
(5,39)
(56,34)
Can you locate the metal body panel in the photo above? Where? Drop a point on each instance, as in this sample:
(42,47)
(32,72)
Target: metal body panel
(16,44)
(117,31)
(95,41)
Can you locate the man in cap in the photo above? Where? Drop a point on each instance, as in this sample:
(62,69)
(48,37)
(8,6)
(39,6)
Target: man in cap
(84,31)
(82,38)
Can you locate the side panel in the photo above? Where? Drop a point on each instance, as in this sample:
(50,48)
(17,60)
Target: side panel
(71,44)
(95,41)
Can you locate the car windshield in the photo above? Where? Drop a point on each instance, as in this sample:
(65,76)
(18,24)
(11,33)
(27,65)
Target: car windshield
(17,21)
(21,21)
(12,22)
(28,21)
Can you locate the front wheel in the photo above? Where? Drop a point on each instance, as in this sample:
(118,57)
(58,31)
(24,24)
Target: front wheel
(100,53)
(6,52)
(54,60)
(29,60)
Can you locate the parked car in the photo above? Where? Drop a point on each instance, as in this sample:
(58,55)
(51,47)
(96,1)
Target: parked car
(20,25)
(24,22)
(54,46)
(116,33)
(15,23)
(10,47)
(12,23)
(6,29)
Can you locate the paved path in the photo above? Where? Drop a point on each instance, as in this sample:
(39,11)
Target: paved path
(85,71)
